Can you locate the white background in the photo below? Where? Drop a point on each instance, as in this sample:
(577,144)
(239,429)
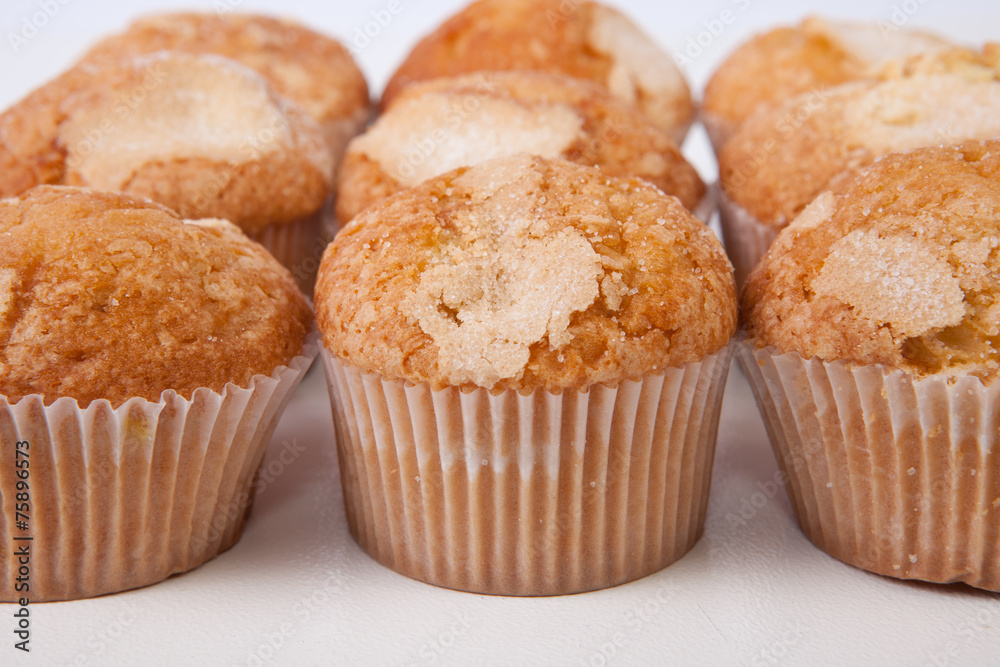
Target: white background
(297,590)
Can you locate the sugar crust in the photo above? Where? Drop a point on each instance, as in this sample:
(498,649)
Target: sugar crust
(108,296)
(899,266)
(525,273)
(201,134)
(814,55)
(583,39)
(783,158)
(314,70)
(441,124)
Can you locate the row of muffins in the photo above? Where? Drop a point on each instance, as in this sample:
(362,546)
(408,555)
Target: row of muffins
(502,331)
(169,110)
(858,202)
(801,118)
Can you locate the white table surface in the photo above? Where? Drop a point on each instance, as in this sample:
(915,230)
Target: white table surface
(296,590)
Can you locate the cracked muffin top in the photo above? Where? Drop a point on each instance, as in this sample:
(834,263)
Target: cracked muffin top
(900,267)
(314,70)
(782,158)
(201,134)
(792,60)
(103,295)
(438,125)
(583,39)
(524,273)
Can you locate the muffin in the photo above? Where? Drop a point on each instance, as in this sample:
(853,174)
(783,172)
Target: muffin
(439,125)
(201,134)
(145,361)
(314,70)
(873,353)
(789,61)
(781,159)
(583,39)
(526,361)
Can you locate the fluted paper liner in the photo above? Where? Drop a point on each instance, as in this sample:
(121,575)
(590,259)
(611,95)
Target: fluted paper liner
(719,130)
(298,246)
(126,497)
(705,208)
(746,238)
(892,474)
(538,494)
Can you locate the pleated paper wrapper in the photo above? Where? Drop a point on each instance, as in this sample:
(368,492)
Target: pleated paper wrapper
(538,494)
(746,239)
(298,245)
(122,498)
(706,207)
(719,130)
(892,474)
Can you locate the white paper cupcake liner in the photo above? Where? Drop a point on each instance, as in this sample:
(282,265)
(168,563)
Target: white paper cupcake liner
(719,130)
(746,239)
(339,131)
(892,474)
(298,245)
(706,207)
(126,497)
(331,223)
(537,494)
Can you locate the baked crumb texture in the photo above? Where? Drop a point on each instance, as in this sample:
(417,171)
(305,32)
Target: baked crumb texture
(108,296)
(792,60)
(525,273)
(783,158)
(900,267)
(442,124)
(982,64)
(201,134)
(584,39)
(314,70)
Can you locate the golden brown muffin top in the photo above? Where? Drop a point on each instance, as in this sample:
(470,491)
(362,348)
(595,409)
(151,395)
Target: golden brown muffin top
(442,124)
(201,134)
(524,273)
(314,70)
(974,64)
(791,60)
(108,296)
(580,38)
(899,267)
(782,158)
